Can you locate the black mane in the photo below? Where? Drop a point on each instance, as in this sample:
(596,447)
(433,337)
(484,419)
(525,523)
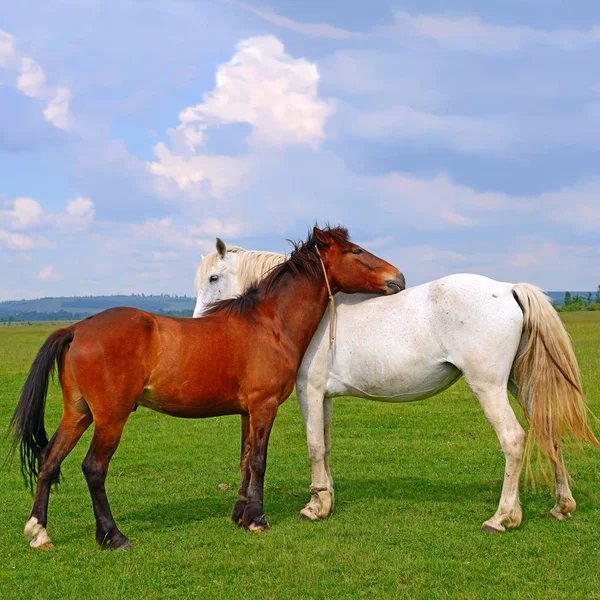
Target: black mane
(303,258)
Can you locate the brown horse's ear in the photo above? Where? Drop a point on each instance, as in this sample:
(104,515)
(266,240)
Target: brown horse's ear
(221,248)
(322,236)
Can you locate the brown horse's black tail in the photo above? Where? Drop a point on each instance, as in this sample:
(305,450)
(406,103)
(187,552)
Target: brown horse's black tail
(28,419)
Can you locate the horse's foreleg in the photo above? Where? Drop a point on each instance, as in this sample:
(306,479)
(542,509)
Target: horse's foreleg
(63,441)
(328,418)
(497,409)
(95,467)
(261,422)
(240,505)
(321,489)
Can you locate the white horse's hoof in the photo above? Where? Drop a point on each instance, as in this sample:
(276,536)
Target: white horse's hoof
(40,540)
(489,527)
(307,514)
(559,516)
(38,545)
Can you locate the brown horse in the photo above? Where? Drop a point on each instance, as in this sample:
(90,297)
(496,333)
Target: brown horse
(242,358)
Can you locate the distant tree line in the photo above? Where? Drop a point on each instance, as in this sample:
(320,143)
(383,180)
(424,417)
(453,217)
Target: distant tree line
(575,303)
(64,315)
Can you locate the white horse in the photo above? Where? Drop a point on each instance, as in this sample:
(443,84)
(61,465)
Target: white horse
(415,344)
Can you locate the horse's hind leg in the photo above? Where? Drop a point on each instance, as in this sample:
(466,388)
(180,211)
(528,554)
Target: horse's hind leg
(565,503)
(70,429)
(95,467)
(493,398)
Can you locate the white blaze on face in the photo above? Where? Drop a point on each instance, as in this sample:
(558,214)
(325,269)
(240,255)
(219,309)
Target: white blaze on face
(218,283)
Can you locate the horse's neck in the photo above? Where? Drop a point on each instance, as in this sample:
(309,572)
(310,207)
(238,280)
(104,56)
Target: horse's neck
(298,306)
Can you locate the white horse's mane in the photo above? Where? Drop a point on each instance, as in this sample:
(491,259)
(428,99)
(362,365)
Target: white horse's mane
(253,265)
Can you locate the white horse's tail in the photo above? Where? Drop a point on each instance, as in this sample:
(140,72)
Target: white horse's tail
(549,383)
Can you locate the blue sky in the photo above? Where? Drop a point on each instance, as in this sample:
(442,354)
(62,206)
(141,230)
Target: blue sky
(448,136)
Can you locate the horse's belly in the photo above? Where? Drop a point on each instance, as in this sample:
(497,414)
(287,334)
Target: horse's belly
(190,407)
(380,382)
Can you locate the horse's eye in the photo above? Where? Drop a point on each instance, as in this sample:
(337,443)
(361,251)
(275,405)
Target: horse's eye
(357,251)
(213,278)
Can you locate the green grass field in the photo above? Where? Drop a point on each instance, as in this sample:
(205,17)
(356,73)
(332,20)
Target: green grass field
(414,483)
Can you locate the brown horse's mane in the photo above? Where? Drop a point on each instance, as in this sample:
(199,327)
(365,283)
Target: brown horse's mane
(303,259)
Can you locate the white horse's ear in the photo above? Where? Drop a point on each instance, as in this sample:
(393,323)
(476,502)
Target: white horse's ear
(221,248)
(201,257)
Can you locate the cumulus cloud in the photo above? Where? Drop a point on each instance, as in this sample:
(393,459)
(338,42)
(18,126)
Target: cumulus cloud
(49,274)
(7,48)
(218,174)
(57,112)
(262,86)
(31,78)
(22,243)
(31,81)
(28,214)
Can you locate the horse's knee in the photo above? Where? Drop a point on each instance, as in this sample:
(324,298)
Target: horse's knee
(94,474)
(316,451)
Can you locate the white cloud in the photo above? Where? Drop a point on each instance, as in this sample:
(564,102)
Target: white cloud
(438,201)
(22,243)
(474,35)
(31,81)
(49,274)
(7,48)
(267,88)
(577,205)
(215,227)
(57,112)
(31,78)
(28,214)
(262,86)
(322,30)
(218,174)
(466,134)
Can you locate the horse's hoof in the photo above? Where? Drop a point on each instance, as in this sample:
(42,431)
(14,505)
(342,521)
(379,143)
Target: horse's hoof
(307,515)
(259,527)
(489,528)
(123,546)
(43,546)
(559,516)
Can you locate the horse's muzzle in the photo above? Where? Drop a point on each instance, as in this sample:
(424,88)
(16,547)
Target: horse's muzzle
(395,285)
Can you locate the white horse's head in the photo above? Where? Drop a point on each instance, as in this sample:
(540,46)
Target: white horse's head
(229,271)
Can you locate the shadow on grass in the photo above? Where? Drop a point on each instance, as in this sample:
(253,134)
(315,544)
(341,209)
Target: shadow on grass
(166,515)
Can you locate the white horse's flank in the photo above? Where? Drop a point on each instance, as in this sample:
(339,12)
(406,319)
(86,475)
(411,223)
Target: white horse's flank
(417,343)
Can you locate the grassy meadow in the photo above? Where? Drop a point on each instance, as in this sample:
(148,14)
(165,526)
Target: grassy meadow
(414,483)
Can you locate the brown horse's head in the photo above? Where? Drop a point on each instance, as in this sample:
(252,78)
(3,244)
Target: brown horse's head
(353,269)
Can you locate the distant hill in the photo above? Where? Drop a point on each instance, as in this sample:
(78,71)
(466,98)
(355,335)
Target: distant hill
(80,307)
